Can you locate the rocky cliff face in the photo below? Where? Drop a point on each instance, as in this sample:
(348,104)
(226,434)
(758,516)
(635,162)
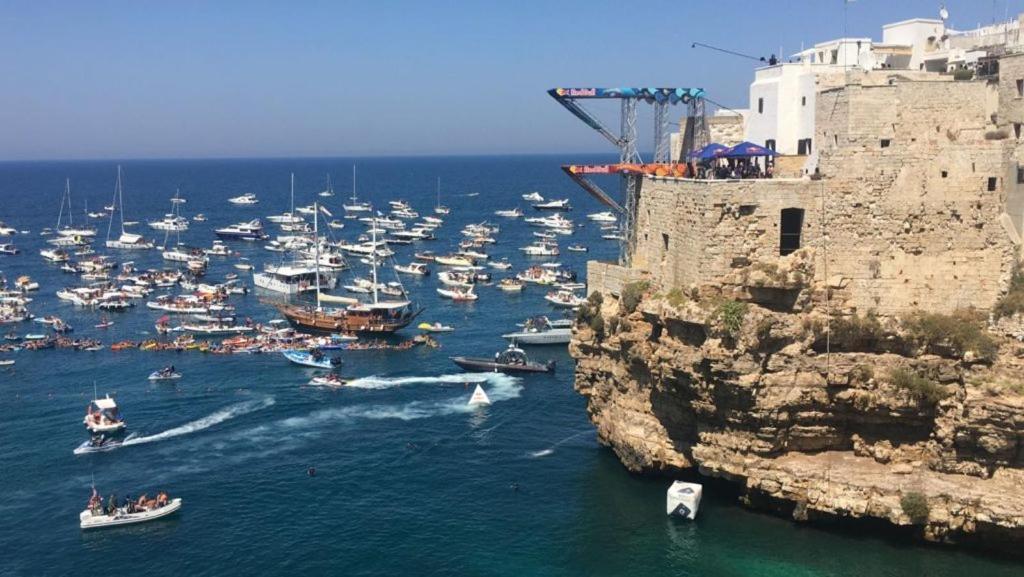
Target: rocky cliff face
(767,381)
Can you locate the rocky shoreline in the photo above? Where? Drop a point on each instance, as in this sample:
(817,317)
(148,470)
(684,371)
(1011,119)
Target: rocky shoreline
(813,410)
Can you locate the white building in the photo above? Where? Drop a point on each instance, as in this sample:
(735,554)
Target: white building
(782,96)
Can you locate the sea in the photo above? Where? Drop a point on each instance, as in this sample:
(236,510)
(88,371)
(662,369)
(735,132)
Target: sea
(408,479)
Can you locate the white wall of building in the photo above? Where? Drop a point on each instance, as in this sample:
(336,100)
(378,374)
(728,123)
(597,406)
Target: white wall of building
(782,106)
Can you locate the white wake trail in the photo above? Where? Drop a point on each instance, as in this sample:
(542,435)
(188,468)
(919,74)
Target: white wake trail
(206,422)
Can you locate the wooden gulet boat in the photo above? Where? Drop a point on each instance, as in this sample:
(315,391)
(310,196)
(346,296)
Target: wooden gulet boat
(376,317)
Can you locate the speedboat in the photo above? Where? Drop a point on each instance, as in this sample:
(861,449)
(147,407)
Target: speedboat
(602,217)
(562,204)
(514,213)
(458,294)
(511,360)
(511,285)
(416,268)
(8,248)
(541,331)
(165,374)
(252,230)
(99,443)
(577,248)
(103,416)
(564,298)
(328,380)
(533,197)
(244,199)
(312,359)
(95,517)
(7,230)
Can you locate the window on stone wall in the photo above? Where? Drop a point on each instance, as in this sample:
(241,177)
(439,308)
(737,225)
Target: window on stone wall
(1020,87)
(1020,175)
(992,183)
(803,101)
(760,105)
(790,224)
(664,241)
(945,173)
(885,143)
(770,144)
(1016,130)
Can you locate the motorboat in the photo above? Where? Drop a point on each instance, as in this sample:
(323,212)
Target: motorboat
(564,298)
(100,442)
(56,255)
(425,256)
(218,249)
(511,360)
(245,199)
(313,358)
(26,284)
(7,230)
(165,374)
(252,230)
(413,268)
(242,266)
(533,197)
(102,416)
(511,285)
(562,204)
(328,380)
(683,499)
(514,213)
(9,249)
(199,217)
(96,517)
(292,279)
(542,331)
(434,328)
(458,294)
(502,264)
(606,216)
(453,260)
(577,248)
(540,249)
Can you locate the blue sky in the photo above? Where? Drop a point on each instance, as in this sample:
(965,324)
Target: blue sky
(141,79)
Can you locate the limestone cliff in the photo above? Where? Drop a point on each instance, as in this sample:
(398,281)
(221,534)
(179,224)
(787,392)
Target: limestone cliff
(765,379)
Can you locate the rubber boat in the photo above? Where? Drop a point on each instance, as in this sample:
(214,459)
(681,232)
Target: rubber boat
(435,328)
(308,359)
(511,360)
(164,375)
(90,519)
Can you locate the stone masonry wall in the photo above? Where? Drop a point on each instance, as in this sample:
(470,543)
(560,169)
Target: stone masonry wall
(912,202)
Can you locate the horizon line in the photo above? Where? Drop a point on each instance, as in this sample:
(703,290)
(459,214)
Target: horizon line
(301,157)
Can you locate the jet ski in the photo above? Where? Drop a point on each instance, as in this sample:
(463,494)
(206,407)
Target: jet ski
(165,374)
(101,443)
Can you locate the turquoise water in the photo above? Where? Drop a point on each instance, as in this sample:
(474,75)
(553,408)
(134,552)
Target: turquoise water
(409,482)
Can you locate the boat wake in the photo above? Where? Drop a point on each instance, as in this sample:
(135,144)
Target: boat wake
(206,422)
(551,450)
(500,387)
(376,382)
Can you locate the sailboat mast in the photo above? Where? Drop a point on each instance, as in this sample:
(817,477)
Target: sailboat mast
(120,197)
(353,184)
(292,211)
(67,191)
(316,249)
(373,261)
(113,205)
(439,192)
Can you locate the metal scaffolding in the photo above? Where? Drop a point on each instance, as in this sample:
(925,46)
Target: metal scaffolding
(626,141)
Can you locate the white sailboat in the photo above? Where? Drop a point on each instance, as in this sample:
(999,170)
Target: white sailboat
(356,206)
(70,229)
(289,217)
(173,221)
(127,240)
(439,208)
(329,191)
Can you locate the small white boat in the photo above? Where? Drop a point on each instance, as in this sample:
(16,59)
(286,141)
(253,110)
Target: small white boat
(457,294)
(245,199)
(414,268)
(243,266)
(533,197)
(683,499)
(514,213)
(98,519)
(602,217)
(6,363)
(309,359)
(562,204)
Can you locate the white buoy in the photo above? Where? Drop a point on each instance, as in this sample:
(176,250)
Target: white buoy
(683,499)
(479,397)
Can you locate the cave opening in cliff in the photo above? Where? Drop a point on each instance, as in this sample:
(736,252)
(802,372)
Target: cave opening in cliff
(792,222)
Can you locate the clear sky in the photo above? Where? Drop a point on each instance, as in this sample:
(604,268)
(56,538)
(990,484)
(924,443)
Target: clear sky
(141,79)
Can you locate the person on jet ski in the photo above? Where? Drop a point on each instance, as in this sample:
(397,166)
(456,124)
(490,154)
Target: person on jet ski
(97,440)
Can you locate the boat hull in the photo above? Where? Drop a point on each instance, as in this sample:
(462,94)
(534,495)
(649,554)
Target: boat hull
(323,322)
(488,365)
(89,521)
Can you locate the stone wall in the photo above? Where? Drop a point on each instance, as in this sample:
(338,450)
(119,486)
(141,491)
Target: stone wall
(726,129)
(913,201)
